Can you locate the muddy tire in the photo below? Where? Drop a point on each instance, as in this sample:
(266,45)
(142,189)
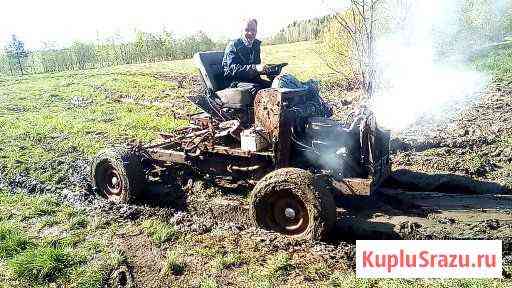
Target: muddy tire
(293,202)
(118,175)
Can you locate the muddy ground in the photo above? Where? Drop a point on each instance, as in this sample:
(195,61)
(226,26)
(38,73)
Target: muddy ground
(471,200)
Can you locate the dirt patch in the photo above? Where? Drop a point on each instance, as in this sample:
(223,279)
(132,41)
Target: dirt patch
(193,83)
(145,260)
(475,142)
(122,278)
(177,107)
(30,185)
(442,182)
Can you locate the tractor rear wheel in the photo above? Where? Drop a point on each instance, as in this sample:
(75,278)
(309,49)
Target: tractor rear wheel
(293,202)
(118,174)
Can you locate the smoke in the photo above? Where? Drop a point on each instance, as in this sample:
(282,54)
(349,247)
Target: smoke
(417,76)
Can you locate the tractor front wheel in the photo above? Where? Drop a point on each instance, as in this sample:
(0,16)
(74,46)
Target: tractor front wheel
(293,202)
(118,174)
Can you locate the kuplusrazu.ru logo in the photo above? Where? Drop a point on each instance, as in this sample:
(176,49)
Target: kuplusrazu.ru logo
(429,259)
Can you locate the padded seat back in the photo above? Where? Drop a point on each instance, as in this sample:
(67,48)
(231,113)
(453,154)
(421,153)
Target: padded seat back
(210,66)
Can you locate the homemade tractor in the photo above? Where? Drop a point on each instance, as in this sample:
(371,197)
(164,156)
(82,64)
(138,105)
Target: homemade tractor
(280,143)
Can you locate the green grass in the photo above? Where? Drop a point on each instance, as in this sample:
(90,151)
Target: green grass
(89,276)
(72,217)
(277,267)
(46,210)
(117,257)
(44,129)
(26,207)
(279,264)
(34,255)
(228,261)
(499,63)
(206,251)
(317,271)
(12,240)
(208,282)
(174,263)
(159,231)
(302,57)
(41,265)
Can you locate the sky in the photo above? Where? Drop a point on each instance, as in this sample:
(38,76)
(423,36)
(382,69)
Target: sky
(35,21)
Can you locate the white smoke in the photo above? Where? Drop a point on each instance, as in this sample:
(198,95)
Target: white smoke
(413,80)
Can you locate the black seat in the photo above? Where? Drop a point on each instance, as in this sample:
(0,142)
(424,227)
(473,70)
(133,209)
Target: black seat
(210,66)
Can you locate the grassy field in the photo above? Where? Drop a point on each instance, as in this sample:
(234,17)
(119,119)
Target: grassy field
(51,119)
(50,127)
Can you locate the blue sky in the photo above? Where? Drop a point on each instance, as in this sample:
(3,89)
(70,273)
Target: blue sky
(64,21)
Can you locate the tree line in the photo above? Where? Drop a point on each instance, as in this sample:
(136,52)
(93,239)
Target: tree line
(479,22)
(146,47)
(349,41)
(305,30)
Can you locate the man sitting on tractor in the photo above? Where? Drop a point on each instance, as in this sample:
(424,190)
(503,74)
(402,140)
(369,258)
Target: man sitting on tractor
(242,63)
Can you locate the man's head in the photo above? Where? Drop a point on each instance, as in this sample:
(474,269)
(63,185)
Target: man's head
(249,30)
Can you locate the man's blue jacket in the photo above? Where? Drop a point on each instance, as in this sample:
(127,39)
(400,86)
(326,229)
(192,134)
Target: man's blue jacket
(240,61)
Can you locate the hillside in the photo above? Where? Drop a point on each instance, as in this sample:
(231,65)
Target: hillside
(54,231)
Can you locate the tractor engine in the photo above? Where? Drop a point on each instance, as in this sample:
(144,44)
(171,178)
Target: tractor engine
(296,122)
(326,145)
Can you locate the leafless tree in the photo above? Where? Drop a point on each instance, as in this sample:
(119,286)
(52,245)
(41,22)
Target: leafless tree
(359,23)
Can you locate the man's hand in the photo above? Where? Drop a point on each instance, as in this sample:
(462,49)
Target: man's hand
(261,68)
(270,69)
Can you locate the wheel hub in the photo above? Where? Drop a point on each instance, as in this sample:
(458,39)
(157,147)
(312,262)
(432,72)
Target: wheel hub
(113,182)
(289,213)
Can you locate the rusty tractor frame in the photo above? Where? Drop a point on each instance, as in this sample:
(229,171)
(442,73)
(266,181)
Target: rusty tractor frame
(306,160)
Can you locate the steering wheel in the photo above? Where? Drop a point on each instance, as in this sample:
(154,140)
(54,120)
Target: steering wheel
(272,70)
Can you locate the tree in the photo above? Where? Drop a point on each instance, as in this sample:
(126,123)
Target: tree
(16,52)
(359,25)
(83,54)
(336,50)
